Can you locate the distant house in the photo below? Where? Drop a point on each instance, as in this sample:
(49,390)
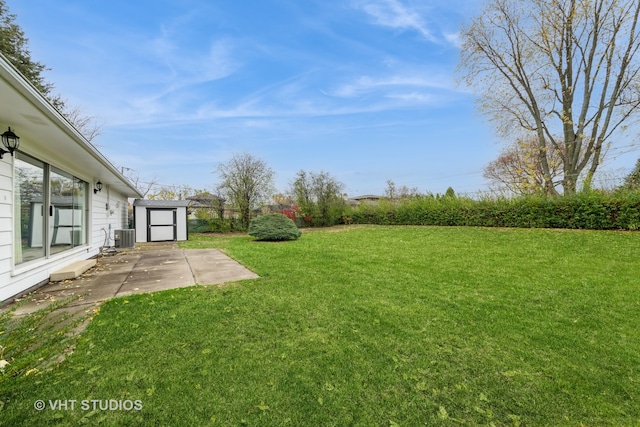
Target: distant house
(367,198)
(60,199)
(209,206)
(205,205)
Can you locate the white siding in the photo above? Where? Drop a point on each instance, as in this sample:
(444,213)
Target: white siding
(141,223)
(182,224)
(109,213)
(6,218)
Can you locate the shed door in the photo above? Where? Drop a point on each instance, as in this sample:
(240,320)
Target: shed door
(162,225)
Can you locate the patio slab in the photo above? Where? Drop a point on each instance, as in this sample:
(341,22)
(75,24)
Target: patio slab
(213,267)
(148,268)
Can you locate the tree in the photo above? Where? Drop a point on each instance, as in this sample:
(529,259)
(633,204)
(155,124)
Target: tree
(302,193)
(144,187)
(632,181)
(328,193)
(404,192)
(245,182)
(450,193)
(86,125)
(282,201)
(14,46)
(557,67)
(518,168)
(318,195)
(171,192)
(391,192)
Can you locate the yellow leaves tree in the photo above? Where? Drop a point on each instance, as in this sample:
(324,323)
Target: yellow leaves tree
(557,67)
(518,168)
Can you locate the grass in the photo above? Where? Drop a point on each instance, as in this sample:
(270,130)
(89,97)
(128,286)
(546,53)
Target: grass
(34,342)
(370,326)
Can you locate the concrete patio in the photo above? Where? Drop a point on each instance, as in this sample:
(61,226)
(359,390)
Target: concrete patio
(150,267)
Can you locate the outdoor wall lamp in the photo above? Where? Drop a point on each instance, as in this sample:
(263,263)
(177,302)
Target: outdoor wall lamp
(98,187)
(11,142)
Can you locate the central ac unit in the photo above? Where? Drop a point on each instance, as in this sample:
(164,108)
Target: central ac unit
(125,238)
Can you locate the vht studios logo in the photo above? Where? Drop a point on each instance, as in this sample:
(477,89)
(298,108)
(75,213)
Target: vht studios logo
(88,405)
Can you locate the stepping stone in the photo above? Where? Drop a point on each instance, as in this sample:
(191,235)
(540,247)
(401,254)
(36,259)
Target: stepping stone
(72,270)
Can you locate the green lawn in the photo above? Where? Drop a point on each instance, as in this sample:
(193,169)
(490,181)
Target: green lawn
(371,326)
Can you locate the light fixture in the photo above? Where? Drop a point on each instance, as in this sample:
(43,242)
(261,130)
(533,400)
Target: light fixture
(11,142)
(98,187)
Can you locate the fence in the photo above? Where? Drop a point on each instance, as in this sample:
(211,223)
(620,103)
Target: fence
(215,225)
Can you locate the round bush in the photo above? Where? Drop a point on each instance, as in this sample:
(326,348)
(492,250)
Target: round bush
(273,227)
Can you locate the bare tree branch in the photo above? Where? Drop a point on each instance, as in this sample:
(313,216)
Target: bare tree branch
(245,182)
(557,67)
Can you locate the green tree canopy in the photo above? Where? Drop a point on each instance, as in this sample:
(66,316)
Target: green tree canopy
(632,181)
(318,195)
(14,45)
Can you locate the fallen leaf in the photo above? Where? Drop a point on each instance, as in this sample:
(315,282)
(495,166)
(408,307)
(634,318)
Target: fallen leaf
(442,413)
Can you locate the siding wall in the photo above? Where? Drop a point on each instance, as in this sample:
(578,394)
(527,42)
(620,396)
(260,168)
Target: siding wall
(6,216)
(105,221)
(140,223)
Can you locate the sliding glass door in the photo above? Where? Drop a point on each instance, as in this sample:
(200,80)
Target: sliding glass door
(51,210)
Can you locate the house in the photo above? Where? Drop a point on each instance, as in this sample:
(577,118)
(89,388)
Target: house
(60,199)
(368,199)
(206,205)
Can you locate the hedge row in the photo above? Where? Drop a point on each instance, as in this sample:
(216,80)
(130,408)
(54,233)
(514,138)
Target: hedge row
(595,211)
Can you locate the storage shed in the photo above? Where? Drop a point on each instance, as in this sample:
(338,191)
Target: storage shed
(160,220)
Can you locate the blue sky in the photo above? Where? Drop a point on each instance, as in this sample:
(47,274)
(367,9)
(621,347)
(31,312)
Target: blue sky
(362,89)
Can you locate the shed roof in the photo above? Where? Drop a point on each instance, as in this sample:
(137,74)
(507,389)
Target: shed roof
(161,203)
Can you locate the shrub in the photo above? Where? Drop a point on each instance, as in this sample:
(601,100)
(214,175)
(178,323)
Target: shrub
(594,210)
(273,227)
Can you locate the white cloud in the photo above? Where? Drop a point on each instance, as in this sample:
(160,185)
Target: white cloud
(454,39)
(189,66)
(367,84)
(394,14)
(412,97)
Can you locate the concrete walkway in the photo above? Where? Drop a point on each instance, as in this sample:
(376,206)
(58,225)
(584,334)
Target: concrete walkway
(150,267)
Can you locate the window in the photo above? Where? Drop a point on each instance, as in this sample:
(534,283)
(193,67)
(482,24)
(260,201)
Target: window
(50,210)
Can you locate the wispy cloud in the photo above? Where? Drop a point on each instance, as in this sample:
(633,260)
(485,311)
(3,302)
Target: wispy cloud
(192,66)
(394,14)
(412,97)
(454,39)
(294,97)
(366,84)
